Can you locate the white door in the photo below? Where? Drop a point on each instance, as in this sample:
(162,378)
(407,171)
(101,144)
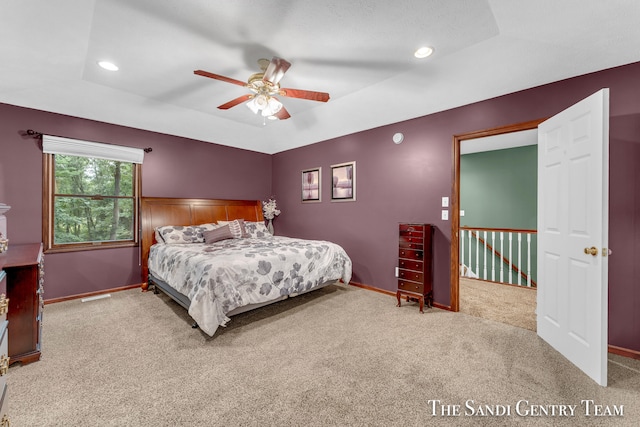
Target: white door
(573,202)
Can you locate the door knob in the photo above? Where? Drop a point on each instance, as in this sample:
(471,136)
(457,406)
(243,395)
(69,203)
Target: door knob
(592,250)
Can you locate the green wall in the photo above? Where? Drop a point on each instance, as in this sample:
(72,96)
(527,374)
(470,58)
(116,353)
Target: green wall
(498,189)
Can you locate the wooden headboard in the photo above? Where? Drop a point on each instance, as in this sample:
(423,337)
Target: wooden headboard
(157,211)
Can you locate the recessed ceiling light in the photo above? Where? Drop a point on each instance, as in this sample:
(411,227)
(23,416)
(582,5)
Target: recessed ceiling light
(423,52)
(108,65)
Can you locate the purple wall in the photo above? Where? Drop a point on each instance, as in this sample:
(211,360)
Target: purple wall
(398,183)
(177,167)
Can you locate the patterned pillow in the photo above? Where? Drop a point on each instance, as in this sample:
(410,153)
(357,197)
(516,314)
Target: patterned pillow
(256,229)
(175,234)
(237,228)
(180,234)
(220,233)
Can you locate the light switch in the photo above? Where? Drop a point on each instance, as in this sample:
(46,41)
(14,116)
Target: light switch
(445,202)
(445,215)
(461,212)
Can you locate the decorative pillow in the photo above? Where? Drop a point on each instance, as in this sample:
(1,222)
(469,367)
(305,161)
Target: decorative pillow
(175,234)
(180,234)
(237,228)
(256,229)
(220,233)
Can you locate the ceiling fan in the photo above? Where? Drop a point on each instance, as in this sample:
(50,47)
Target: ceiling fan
(264,87)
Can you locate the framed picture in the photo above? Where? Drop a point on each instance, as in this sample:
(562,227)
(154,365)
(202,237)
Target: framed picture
(311,185)
(343,185)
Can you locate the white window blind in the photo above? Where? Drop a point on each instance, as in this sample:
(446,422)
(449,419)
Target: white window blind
(76,147)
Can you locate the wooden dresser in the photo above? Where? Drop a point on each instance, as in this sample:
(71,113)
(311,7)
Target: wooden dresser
(24,265)
(415,277)
(4,348)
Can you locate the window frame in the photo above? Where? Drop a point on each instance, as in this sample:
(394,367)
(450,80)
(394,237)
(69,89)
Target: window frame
(48,220)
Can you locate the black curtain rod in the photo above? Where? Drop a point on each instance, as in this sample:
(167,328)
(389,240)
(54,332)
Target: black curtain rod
(35,134)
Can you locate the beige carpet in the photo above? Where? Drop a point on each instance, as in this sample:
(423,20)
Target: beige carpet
(513,305)
(341,356)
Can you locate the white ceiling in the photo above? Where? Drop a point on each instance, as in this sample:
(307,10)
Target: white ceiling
(360,51)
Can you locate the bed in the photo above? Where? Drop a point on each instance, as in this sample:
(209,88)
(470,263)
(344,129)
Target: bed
(217,259)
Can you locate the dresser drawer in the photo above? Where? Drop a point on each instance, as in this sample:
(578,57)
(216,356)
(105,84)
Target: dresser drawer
(410,254)
(414,276)
(411,286)
(411,228)
(408,264)
(411,243)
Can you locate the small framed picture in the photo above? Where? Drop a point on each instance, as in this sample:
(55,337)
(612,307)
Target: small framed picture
(343,186)
(311,185)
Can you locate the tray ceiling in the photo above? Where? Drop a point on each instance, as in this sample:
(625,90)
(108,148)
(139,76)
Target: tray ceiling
(361,52)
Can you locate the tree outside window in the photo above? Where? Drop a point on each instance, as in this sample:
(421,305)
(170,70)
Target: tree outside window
(91,203)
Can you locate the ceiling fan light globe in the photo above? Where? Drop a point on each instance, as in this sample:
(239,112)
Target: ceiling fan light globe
(261,101)
(253,106)
(274,105)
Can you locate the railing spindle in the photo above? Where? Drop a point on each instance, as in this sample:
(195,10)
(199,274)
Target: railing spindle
(502,251)
(478,256)
(493,257)
(510,256)
(470,259)
(519,256)
(485,255)
(462,247)
(529,260)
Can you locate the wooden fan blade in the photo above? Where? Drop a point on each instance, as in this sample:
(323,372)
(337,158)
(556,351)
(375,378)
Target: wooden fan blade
(283,114)
(305,94)
(276,69)
(218,77)
(234,102)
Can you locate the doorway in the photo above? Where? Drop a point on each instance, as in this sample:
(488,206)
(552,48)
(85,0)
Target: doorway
(455,199)
(498,228)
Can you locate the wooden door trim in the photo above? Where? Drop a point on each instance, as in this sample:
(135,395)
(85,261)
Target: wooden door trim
(455,198)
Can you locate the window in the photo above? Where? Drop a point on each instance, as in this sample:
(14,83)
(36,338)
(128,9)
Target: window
(90,198)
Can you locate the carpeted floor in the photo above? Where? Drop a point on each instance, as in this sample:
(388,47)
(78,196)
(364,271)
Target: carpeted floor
(341,356)
(513,305)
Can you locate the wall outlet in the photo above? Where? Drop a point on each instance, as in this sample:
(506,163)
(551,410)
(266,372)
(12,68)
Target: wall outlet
(461,212)
(445,215)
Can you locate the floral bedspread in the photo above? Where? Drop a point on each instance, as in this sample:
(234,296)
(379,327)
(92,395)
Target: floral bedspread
(222,276)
